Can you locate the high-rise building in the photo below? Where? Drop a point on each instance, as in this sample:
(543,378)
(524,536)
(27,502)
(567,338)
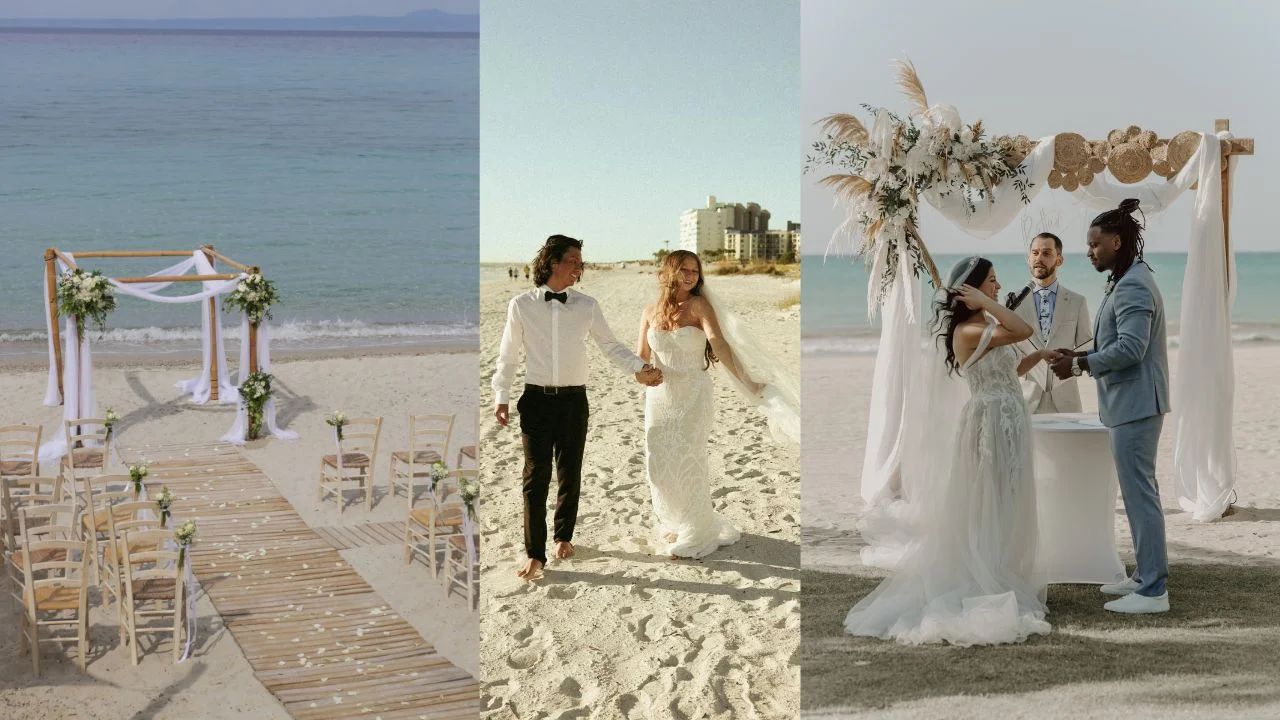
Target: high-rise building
(703,229)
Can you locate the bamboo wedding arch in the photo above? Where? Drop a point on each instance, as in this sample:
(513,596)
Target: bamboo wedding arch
(53,256)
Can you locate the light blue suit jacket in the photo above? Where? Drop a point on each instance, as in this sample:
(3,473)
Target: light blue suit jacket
(1130,361)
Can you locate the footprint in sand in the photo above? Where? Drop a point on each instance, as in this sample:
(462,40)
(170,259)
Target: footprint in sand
(562,592)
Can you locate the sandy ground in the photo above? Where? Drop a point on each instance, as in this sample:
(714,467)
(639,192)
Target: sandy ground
(1214,654)
(619,631)
(218,681)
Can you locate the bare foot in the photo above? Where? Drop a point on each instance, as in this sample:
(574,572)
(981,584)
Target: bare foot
(564,549)
(671,537)
(532,569)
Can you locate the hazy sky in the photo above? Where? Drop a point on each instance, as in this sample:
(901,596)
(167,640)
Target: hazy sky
(155,9)
(1042,68)
(605,120)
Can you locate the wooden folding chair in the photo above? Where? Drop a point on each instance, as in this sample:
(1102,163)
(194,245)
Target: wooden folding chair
(102,494)
(20,450)
(431,522)
(359,447)
(428,443)
(88,448)
(17,493)
(55,581)
(152,580)
(460,565)
(467,452)
(124,517)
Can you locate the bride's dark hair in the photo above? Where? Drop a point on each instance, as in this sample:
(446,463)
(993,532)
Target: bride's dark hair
(949,311)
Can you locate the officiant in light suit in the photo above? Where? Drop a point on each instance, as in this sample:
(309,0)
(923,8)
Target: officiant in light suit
(1060,318)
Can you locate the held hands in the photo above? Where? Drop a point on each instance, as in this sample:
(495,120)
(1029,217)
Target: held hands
(649,375)
(1060,361)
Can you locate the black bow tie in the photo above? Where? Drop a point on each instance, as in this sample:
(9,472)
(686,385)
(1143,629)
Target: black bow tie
(549,296)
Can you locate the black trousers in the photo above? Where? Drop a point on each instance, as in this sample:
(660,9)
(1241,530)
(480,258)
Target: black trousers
(553,428)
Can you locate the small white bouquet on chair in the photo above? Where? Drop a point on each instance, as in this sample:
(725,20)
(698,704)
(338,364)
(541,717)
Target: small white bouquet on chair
(163,501)
(184,536)
(337,420)
(136,474)
(470,491)
(439,471)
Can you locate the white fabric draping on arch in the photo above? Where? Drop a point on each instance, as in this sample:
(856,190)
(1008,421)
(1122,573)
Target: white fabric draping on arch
(1203,387)
(77,354)
(240,429)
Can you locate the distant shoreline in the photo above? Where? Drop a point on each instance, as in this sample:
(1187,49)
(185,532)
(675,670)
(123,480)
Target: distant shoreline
(54,30)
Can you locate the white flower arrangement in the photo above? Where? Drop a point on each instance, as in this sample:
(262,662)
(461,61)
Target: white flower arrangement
(337,420)
(470,491)
(255,391)
(886,169)
(439,471)
(84,296)
(184,535)
(254,295)
(110,419)
(163,501)
(137,473)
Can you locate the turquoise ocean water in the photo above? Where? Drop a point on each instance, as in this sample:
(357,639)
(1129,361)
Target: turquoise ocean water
(344,164)
(834,316)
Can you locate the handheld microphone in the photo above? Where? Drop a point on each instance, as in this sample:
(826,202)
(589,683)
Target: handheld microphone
(1014,301)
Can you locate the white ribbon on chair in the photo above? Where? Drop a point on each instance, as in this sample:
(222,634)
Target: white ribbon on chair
(469,531)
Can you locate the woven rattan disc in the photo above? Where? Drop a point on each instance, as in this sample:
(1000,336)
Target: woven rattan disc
(1116,138)
(1132,132)
(1147,139)
(1086,177)
(1055,179)
(1129,163)
(1070,182)
(1163,169)
(1096,165)
(1070,152)
(1101,149)
(1181,148)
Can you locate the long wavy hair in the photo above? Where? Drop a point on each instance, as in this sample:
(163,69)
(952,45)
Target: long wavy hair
(551,253)
(1121,222)
(949,312)
(666,311)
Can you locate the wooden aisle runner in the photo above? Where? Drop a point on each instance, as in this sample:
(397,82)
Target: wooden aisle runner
(317,635)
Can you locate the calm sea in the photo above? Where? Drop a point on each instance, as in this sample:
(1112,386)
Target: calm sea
(344,165)
(834,318)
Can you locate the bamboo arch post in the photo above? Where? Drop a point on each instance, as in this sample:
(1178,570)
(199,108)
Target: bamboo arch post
(51,280)
(213,333)
(253,334)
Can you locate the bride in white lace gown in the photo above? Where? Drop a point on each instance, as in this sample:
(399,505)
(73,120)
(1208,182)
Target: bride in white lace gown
(971,578)
(681,335)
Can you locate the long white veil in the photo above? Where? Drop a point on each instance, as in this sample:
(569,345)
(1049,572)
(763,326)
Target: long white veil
(935,401)
(780,400)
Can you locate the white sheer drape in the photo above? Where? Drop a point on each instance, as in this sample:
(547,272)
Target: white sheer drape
(1202,389)
(77,396)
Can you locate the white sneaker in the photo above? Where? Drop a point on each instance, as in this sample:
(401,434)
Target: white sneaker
(1122,588)
(1135,604)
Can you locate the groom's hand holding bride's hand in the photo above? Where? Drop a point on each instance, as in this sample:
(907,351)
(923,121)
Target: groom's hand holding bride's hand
(649,375)
(1060,362)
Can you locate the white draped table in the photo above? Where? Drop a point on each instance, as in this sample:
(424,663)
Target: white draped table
(1076,489)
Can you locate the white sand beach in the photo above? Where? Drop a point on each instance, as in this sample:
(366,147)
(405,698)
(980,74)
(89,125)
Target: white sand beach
(618,631)
(218,681)
(1212,655)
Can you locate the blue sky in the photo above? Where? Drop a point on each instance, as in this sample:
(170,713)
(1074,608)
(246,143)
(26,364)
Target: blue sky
(164,9)
(1043,68)
(604,120)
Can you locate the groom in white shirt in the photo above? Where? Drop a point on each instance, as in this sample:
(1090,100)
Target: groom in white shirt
(551,323)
